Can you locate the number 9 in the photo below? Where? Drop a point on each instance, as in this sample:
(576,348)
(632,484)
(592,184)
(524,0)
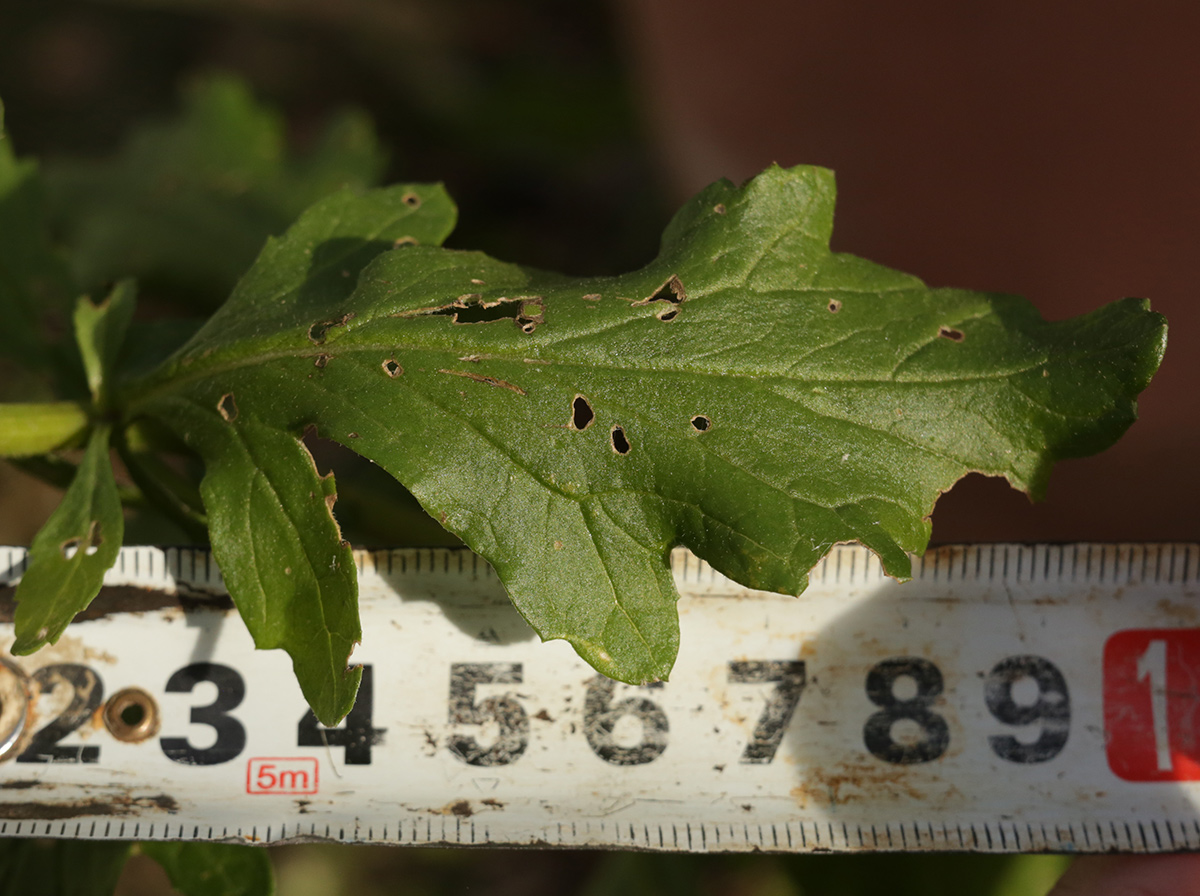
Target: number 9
(1052,708)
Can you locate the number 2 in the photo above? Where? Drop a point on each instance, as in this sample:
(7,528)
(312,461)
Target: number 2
(87,693)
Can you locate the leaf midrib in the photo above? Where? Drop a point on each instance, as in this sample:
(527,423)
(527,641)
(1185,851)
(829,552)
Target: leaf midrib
(179,381)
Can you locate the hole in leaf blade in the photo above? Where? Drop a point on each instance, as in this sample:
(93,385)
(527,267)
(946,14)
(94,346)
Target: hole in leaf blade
(392,368)
(90,543)
(582,414)
(671,291)
(620,443)
(700,423)
(227,407)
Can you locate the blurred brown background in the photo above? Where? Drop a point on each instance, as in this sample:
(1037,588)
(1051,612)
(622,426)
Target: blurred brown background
(1044,149)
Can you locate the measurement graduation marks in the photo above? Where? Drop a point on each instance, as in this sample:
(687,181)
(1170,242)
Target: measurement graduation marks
(1008,698)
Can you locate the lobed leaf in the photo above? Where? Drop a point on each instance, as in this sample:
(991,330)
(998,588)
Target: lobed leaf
(748,394)
(72,551)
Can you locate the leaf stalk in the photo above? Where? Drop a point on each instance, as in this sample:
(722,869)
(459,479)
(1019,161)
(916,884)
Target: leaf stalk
(27,430)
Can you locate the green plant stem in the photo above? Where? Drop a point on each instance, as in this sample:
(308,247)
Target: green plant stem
(27,430)
(168,491)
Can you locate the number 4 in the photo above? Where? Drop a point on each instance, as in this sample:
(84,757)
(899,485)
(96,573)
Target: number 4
(356,733)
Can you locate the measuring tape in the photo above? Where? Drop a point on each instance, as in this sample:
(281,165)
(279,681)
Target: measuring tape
(1009,698)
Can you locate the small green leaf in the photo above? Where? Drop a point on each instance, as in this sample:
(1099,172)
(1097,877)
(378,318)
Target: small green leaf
(100,332)
(213,869)
(71,553)
(186,204)
(749,394)
(279,548)
(60,867)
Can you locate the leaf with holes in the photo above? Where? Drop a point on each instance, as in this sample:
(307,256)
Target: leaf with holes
(749,394)
(71,553)
(269,511)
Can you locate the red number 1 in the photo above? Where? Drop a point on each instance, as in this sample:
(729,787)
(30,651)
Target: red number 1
(1152,704)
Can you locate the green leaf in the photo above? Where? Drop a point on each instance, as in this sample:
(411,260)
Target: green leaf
(269,512)
(213,869)
(187,204)
(748,394)
(70,554)
(34,285)
(279,548)
(100,331)
(61,867)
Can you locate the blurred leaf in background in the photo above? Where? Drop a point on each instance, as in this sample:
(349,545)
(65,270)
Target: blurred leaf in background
(326,870)
(35,288)
(186,204)
(60,867)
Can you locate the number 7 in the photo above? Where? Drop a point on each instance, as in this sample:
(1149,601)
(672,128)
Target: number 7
(789,679)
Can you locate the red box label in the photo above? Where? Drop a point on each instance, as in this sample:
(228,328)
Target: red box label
(1152,704)
(270,774)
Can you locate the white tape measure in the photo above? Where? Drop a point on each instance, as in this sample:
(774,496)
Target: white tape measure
(1007,699)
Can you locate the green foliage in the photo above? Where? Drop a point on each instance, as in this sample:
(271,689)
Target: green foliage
(213,869)
(71,553)
(280,550)
(639,874)
(100,331)
(185,205)
(749,394)
(36,428)
(291,575)
(83,536)
(60,867)
(34,284)
(92,867)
